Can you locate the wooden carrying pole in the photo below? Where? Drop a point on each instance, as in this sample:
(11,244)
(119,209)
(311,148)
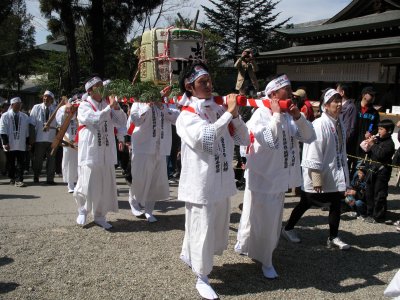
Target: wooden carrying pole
(63,129)
(53,115)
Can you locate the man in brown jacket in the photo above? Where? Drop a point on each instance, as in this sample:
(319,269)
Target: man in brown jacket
(246,81)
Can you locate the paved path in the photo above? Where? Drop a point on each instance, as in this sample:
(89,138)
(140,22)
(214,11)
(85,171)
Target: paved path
(44,255)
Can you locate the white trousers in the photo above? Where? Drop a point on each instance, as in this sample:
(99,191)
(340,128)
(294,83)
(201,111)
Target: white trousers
(96,190)
(149,180)
(260,225)
(70,165)
(206,233)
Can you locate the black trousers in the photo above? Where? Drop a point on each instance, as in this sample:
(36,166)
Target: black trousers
(309,199)
(377,192)
(16,171)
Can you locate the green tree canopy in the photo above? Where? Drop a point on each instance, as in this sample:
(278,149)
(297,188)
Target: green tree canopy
(243,24)
(17,38)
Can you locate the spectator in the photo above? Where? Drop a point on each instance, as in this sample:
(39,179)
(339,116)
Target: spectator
(14,130)
(300,99)
(355,198)
(366,125)
(44,135)
(246,80)
(380,150)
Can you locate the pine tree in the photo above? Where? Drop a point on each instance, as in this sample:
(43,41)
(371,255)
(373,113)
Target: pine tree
(243,24)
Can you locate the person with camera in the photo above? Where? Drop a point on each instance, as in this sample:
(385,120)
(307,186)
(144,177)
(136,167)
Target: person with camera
(246,80)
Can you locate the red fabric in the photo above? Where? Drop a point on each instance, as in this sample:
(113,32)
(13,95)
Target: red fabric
(308,111)
(364,109)
(251,142)
(189,109)
(80,127)
(131,128)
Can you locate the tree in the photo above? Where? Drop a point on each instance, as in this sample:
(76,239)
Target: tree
(243,24)
(109,33)
(17,39)
(66,26)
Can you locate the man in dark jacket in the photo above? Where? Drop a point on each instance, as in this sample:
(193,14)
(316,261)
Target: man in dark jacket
(366,124)
(348,115)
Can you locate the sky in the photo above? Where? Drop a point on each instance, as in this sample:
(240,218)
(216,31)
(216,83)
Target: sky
(299,10)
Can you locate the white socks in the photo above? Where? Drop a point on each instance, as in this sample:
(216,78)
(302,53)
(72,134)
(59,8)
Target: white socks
(150,218)
(204,288)
(71,187)
(269,272)
(101,221)
(238,249)
(136,211)
(81,219)
(185,260)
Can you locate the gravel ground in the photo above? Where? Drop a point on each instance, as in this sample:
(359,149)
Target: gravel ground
(44,255)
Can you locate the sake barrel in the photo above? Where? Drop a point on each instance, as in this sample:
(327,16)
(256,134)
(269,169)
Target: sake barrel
(164,52)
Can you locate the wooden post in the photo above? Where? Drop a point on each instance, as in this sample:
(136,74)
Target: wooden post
(53,115)
(63,129)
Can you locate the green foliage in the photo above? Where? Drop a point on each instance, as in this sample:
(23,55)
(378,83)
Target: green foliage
(17,38)
(140,91)
(54,65)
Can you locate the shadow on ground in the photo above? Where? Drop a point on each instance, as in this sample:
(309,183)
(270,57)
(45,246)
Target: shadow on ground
(24,197)
(6,287)
(328,270)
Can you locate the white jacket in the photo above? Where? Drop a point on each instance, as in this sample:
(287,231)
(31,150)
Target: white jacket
(38,119)
(207,151)
(97,140)
(16,138)
(273,161)
(73,125)
(152,133)
(326,156)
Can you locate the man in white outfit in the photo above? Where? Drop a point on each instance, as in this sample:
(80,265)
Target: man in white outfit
(151,143)
(14,131)
(44,134)
(273,166)
(96,188)
(70,155)
(208,132)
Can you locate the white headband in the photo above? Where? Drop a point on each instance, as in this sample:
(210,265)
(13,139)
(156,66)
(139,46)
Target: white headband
(15,100)
(277,84)
(48,93)
(198,71)
(92,82)
(328,95)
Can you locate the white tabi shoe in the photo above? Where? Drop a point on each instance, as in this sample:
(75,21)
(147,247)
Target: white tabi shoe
(238,249)
(185,260)
(81,219)
(204,288)
(102,223)
(71,188)
(269,272)
(150,218)
(136,210)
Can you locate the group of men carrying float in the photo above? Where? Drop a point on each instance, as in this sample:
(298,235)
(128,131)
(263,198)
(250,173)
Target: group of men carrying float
(209,132)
